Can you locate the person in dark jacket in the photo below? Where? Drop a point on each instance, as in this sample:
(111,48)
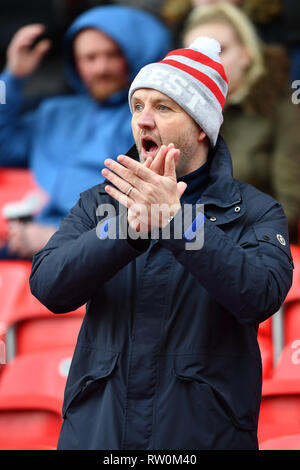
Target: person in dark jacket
(167,355)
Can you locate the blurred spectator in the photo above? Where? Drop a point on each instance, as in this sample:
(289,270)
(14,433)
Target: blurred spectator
(261,124)
(291,16)
(167,10)
(276,21)
(66,139)
(267,18)
(17,13)
(197,3)
(172,12)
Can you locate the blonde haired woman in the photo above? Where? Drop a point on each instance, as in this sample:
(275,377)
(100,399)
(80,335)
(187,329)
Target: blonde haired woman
(261,124)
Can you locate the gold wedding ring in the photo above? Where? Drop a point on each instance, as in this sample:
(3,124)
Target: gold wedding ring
(129,191)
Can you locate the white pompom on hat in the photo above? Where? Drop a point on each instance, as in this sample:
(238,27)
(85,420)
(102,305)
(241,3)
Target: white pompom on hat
(210,45)
(193,77)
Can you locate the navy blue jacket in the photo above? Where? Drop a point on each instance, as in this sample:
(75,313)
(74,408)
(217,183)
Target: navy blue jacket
(167,355)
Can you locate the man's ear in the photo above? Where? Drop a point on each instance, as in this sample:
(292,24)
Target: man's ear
(201,135)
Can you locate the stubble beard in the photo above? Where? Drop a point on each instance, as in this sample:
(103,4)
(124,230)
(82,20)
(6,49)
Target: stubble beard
(187,149)
(103,89)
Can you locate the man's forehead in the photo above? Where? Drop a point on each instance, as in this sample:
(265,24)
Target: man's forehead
(91,38)
(150,94)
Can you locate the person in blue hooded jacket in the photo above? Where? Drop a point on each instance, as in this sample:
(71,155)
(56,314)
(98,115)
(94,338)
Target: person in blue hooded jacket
(66,139)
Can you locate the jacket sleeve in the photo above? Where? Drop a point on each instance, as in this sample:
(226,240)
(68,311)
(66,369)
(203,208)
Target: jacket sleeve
(250,278)
(16,129)
(77,260)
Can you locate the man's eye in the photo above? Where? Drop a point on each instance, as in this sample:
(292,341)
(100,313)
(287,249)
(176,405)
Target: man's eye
(162,107)
(87,59)
(137,107)
(114,55)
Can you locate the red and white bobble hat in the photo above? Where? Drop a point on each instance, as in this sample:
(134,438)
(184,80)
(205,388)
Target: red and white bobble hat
(194,77)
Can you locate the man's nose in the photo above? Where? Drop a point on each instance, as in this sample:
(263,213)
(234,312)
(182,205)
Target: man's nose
(146,120)
(101,65)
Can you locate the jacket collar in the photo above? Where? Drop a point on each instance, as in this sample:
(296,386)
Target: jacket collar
(223,189)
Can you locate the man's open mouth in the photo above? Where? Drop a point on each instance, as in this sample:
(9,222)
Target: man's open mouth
(149,146)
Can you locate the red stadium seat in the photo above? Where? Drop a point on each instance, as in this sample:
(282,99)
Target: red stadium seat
(3,358)
(280,409)
(264,337)
(294,292)
(12,279)
(266,351)
(14,276)
(292,322)
(23,445)
(15,183)
(31,396)
(282,443)
(292,302)
(265,328)
(288,365)
(270,343)
(37,334)
(25,324)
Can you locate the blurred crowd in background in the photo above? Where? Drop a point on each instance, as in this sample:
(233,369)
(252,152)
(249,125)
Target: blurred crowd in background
(276,21)
(261,122)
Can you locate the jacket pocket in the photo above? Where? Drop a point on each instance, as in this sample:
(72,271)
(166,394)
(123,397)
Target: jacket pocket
(272,237)
(80,389)
(218,401)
